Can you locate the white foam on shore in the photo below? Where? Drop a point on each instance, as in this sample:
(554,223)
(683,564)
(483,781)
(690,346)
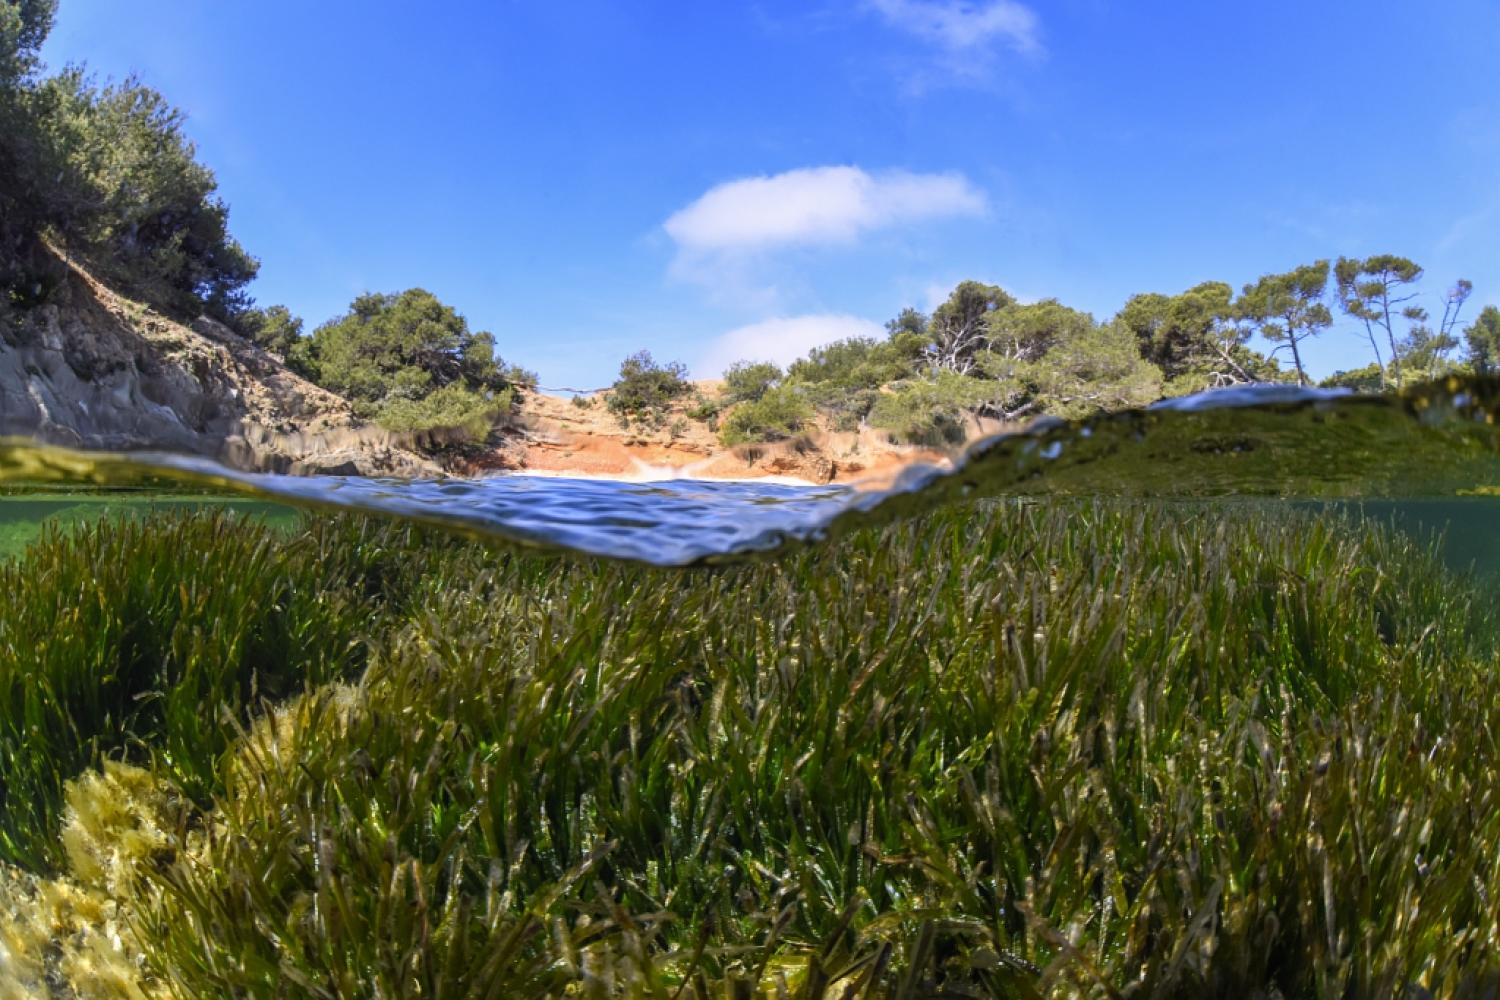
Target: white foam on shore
(646,473)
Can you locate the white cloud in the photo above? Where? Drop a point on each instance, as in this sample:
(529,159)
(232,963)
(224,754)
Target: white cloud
(963,26)
(816,205)
(782,340)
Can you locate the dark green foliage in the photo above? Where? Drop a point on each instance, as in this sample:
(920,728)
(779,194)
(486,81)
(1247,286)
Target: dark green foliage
(24,25)
(1197,338)
(164,632)
(1288,308)
(855,363)
(1047,358)
(843,379)
(776,415)
(931,410)
(1370,378)
(981,352)
(1023,750)
(645,390)
(150,221)
(29,164)
(1483,339)
(410,362)
(910,322)
(1425,351)
(454,414)
(1026,332)
(1369,290)
(706,409)
(958,328)
(1090,369)
(748,381)
(274,328)
(109,173)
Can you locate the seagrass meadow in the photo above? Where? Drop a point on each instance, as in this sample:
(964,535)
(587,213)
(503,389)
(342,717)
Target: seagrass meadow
(1005,749)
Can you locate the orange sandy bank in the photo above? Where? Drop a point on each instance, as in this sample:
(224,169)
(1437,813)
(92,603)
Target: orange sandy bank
(560,437)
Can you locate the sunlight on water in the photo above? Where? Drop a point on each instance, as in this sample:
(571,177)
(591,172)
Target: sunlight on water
(1435,441)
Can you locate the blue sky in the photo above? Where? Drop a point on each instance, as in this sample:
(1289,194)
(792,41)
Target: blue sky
(713,180)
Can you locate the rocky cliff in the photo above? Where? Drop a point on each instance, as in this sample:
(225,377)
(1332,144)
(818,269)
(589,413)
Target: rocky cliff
(93,370)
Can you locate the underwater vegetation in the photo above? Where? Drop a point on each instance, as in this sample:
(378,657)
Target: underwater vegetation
(1005,749)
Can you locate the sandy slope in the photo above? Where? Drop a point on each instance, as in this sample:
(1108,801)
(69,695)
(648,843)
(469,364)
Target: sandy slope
(561,437)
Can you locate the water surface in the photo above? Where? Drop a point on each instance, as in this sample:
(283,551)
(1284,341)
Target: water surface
(1436,445)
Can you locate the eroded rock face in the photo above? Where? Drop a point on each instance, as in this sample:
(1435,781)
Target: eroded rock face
(92,370)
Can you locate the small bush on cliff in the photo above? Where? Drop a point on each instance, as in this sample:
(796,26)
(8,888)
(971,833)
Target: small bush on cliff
(843,379)
(778,414)
(451,414)
(748,381)
(645,390)
(410,362)
(274,328)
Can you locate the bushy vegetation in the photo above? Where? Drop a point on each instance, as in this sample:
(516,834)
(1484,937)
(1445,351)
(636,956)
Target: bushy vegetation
(748,381)
(1483,339)
(1007,750)
(776,414)
(1368,378)
(107,173)
(274,328)
(932,410)
(646,390)
(843,378)
(410,362)
(984,354)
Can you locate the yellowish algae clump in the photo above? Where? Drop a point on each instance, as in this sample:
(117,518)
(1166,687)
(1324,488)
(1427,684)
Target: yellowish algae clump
(70,936)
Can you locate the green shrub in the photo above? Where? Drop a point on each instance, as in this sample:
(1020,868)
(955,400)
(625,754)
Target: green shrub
(748,381)
(131,197)
(1368,378)
(451,414)
(410,362)
(645,390)
(706,410)
(843,379)
(931,410)
(273,328)
(1482,338)
(778,414)
(1094,369)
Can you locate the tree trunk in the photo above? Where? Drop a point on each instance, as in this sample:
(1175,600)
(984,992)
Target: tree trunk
(1375,346)
(1391,336)
(1291,336)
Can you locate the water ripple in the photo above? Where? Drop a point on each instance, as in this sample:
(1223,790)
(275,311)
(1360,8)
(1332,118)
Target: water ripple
(1441,439)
